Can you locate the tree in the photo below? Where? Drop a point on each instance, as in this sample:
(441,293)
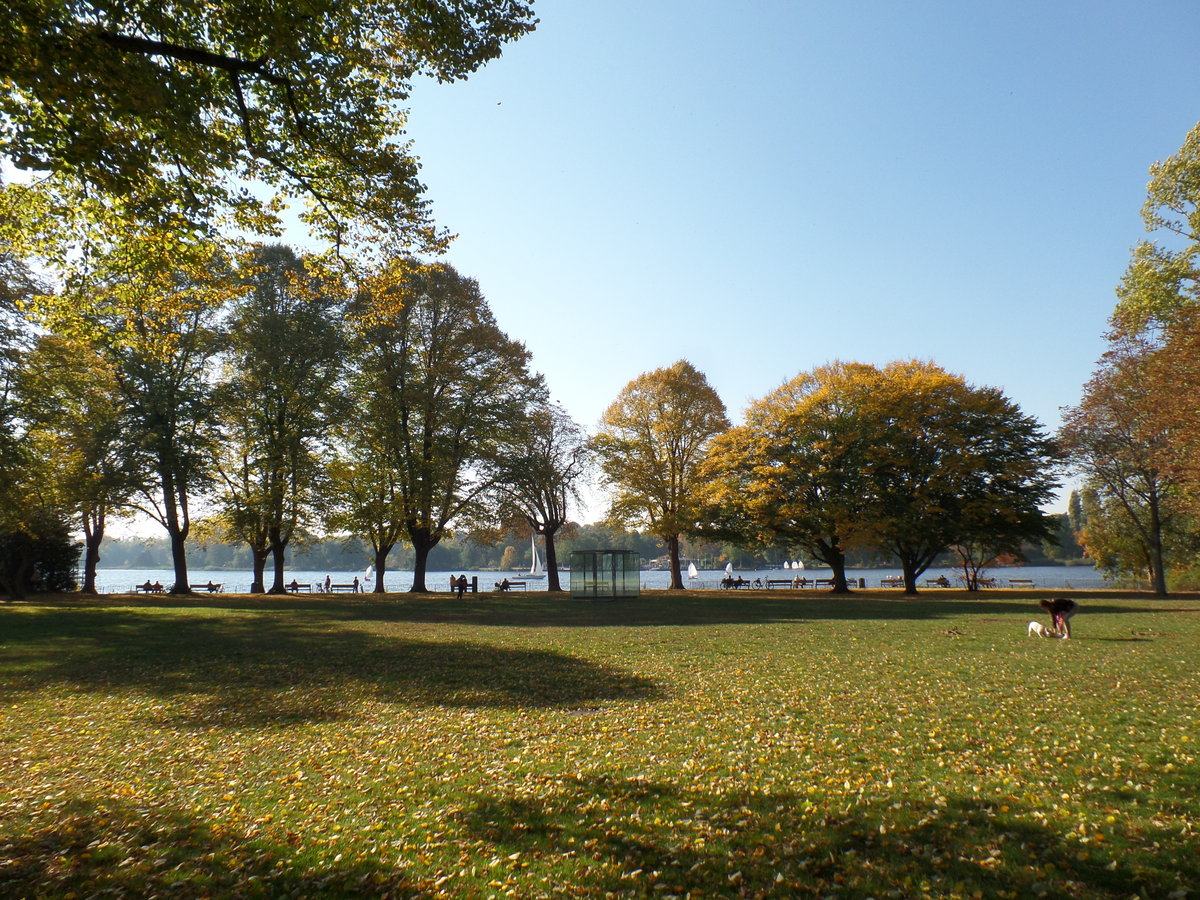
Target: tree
(79,429)
(795,474)
(439,397)
(542,476)
(953,464)
(1163,276)
(651,443)
(1116,439)
(283,358)
(905,458)
(149,304)
(168,110)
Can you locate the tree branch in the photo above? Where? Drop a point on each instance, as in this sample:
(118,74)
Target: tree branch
(147,47)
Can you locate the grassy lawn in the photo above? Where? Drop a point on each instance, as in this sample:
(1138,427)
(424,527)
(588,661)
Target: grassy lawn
(702,745)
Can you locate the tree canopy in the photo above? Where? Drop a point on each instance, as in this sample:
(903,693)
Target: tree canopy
(651,443)
(164,110)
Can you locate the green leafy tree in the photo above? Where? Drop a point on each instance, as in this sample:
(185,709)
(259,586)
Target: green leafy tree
(1163,276)
(166,110)
(650,445)
(439,397)
(283,358)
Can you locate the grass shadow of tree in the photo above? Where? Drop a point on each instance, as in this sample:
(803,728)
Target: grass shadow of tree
(638,838)
(264,670)
(108,848)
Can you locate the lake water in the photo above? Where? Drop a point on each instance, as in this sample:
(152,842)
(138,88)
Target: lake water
(113,581)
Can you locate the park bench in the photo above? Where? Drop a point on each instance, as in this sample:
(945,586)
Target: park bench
(296,587)
(209,588)
(822,582)
(781,582)
(514,586)
(937,582)
(472,585)
(1022,582)
(343,588)
(143,589)
(891,581)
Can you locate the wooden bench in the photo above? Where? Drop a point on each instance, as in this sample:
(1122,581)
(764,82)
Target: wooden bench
(343,588)
(937,582)
(1022,582)
(513,586)
(783,582)
(296,587)
(891,581)
(142,589)
(209,588)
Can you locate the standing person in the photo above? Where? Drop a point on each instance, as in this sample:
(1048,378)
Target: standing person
(1061,609)
(327,584)
(461,584)
(356,584)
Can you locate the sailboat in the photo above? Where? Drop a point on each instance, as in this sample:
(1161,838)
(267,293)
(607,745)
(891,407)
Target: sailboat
(692,573)
(786,564)
(798,564)
(729,569)
(535,568)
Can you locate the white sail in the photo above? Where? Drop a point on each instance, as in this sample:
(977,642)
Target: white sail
(798,564)
(786,564)
(369,574)
(692,573)
(729,568)
(535,568)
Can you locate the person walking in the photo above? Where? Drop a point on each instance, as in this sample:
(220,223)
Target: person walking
(461,585)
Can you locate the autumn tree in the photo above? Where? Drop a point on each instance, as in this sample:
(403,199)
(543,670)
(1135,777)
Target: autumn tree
(542,475)
(36,550)
(282,360)
(795,473)
(650,445)
(79,427)
(166,111)
(148,303)
(953,464)
(1122,446)
(438,399)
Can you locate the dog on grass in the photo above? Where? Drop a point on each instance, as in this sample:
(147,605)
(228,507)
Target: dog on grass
(1037,629)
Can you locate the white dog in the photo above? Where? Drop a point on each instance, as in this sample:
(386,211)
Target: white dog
(1037,628)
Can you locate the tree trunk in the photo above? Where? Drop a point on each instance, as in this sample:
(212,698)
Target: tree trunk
(258,558)
(279,555)
(1158,574)
(910,577)
(552,582)
(93,536)
(177,531)
(830,552)
(676,574)
(381,556)
(422,543)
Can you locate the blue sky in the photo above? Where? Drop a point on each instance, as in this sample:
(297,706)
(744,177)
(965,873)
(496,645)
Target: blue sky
(763,187)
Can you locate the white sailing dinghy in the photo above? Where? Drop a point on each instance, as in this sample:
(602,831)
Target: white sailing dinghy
(692,573)
(536,569)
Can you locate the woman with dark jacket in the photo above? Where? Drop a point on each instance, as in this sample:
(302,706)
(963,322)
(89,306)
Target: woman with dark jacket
(1061,609)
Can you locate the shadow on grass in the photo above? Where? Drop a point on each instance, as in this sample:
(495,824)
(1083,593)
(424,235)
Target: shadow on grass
(658,608)
(636,838)
(604,837)
(272,670)
(115,850)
